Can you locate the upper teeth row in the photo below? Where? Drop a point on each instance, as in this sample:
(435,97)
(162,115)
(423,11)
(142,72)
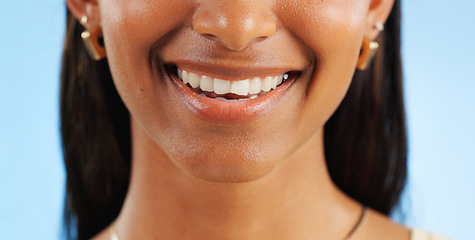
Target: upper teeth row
(241,87)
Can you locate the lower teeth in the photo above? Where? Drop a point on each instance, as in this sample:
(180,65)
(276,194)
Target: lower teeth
(234,100)
(229,100)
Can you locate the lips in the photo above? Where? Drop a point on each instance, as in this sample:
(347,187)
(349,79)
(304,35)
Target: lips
(217,100)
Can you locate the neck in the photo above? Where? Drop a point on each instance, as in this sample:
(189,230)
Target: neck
(296,200)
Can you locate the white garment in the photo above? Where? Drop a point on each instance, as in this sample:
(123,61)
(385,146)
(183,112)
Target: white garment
(418,234)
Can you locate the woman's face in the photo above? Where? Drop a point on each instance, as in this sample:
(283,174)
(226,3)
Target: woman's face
(313,44)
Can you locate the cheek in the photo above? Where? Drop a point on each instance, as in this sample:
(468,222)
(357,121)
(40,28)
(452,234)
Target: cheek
(131,29)
(139,23)
(330,28)
(333,31)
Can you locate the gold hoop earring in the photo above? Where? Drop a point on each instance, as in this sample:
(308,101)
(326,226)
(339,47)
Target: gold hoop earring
(93,41)
(368,50)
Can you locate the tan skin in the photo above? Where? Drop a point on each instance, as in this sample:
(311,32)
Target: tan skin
(261,179)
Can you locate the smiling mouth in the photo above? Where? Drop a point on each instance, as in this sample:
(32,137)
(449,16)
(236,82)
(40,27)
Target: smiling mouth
(239,100)
(231,91)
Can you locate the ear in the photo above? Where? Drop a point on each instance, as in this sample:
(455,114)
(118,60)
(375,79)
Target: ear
(379,11)
(88,8)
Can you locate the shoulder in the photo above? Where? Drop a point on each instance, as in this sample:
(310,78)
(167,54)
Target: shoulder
(417,234)
(377,226)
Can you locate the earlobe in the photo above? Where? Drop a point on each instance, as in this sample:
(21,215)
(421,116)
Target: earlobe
(88,8)
(77,8)
(87,13)
(378,13)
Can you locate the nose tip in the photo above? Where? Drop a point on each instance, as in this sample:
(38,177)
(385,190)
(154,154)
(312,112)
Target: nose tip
(235,26)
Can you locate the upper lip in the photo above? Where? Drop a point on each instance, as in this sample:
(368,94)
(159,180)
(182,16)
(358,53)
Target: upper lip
(229,71)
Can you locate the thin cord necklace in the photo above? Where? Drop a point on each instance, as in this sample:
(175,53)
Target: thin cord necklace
(115,236)
(363,213)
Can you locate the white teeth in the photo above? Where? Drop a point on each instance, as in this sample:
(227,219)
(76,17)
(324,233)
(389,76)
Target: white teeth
(267,84)
(222,86)
(206,84)
(274,82)
(194,80)
(280,79)
(255,87)
(240,87)
(285,76)
(184,77)
(231,100)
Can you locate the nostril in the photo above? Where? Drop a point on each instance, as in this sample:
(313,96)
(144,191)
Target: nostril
(210,37)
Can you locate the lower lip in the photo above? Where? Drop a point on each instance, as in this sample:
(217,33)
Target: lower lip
(223,112)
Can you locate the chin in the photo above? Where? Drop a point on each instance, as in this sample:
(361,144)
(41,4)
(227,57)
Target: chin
(226,166)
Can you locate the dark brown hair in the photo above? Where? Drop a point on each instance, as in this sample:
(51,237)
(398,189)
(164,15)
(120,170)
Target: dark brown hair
(365,139)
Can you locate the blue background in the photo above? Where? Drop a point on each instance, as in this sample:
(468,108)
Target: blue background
(438,51)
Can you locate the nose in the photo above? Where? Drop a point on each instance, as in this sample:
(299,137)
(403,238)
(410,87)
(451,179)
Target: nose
(234,23)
